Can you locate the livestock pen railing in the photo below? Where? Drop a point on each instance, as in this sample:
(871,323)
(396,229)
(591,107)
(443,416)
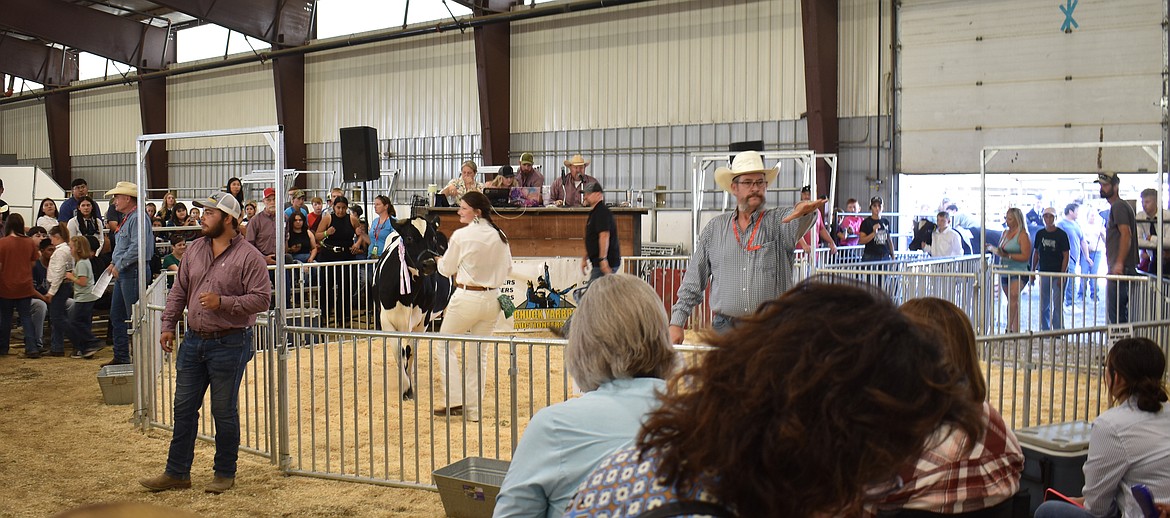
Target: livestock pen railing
(329,402)
(333,403)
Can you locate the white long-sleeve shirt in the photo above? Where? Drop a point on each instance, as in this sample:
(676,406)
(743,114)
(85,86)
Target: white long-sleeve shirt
(1127,446)
(61,262)
(75,230)
(1146,223)
(947,243)
(477,256)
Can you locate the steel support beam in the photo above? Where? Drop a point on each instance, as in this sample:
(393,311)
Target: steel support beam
(152,107)
(819,23)
(286,22)
(125,41)
(36,62)
(57,118)
(288,76)
(540,11)
(493,57)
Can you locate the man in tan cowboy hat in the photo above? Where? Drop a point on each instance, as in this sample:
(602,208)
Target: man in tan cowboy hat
(124,265)
(746,254)
(568,190)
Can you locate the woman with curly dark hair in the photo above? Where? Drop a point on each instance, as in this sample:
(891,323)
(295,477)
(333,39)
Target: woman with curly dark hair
(793,413)
(1130,443)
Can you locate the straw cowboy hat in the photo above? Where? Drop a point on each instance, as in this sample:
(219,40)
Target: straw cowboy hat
(747,162)
(127,188)
(576,160)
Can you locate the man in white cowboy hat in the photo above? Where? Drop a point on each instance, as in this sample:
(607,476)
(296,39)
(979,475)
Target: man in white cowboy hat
(745,254)
(124,266)
(222,284)
(568,190)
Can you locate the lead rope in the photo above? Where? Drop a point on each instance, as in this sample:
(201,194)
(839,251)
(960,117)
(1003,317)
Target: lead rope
(403,269)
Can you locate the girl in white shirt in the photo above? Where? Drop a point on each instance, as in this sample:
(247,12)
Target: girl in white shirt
(479,260)
(60,289)
(47,214)
(1130,443)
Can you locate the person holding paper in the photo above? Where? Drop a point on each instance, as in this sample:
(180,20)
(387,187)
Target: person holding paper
(124,267)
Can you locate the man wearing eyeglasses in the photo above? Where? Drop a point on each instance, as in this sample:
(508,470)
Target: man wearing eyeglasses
(746,255)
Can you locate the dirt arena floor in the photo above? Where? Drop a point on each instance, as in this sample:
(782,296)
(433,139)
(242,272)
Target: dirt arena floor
(61,448)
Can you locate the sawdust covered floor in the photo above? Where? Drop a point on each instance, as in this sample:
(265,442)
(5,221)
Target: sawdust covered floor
(61,447)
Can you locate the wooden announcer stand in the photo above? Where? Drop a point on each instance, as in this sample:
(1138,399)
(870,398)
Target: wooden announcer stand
(548,232)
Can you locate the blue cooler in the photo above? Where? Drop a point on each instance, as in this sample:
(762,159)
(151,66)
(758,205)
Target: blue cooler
(1054,457)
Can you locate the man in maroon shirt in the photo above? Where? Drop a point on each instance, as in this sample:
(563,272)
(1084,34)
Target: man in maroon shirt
(222,283)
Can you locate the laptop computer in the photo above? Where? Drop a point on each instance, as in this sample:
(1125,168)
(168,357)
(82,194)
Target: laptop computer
(500,197)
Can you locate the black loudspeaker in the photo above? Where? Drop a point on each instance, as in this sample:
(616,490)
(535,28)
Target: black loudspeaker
(750,145)
(359,154)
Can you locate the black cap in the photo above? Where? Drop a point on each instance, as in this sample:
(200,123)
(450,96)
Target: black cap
(593,187)
(506,171)
(806,188)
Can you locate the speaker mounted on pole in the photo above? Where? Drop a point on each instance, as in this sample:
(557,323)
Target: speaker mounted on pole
(359,154)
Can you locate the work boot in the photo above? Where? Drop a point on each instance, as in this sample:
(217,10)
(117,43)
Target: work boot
(220,484)
(164,482)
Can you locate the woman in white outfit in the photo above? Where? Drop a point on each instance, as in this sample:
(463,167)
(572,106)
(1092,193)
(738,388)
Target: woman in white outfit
(479,260)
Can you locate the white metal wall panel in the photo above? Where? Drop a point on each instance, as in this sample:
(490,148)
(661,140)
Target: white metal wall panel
(670,62)
(1001,72)
(233,97)
(417,87)
(104,120)
(24,130)
(864,57)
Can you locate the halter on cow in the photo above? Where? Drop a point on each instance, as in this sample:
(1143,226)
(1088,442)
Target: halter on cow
(408,287)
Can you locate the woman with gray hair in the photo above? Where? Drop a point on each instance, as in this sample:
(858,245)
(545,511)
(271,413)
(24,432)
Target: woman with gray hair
(620,359)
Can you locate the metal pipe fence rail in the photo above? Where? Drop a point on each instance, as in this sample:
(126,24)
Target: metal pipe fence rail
(1054,300)
(1048,377)
(329,402)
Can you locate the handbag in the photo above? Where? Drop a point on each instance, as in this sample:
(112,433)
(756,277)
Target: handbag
(506,305)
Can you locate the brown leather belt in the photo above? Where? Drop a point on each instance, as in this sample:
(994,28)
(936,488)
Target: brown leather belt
(472,288)
(216,335)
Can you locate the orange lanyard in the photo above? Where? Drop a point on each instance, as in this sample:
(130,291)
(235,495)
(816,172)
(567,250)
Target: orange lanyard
(750,247)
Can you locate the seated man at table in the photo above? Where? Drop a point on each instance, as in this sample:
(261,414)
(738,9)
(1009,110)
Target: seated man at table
(567,191)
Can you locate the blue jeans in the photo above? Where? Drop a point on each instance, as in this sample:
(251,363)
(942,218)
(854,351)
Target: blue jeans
(1117,301)
(1058,509)
(81,326)
(22,307)
(722,323)
(60,319)
(200,364)
(124,297)
(1093,286)
(1051,312)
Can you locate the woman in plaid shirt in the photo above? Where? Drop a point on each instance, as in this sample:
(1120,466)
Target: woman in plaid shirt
(958,472)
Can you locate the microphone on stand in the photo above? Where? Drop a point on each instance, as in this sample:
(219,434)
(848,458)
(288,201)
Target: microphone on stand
(564,189)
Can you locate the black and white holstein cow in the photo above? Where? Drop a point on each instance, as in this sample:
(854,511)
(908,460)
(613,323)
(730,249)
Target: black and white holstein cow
(408,287)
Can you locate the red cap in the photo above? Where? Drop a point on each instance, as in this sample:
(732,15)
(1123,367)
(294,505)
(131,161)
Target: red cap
(269,192)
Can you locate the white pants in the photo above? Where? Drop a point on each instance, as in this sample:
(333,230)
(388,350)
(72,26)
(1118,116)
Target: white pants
(469,312)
